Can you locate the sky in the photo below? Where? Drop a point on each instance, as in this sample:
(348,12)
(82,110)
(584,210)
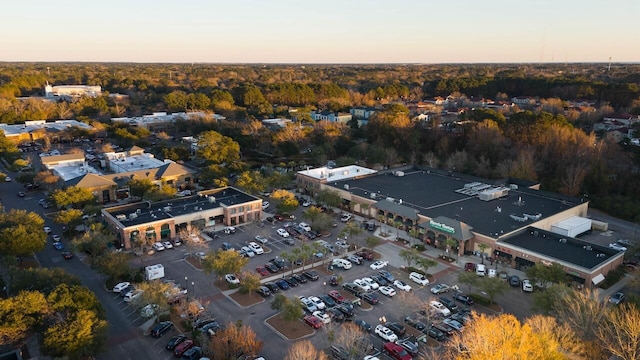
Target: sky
(327,31)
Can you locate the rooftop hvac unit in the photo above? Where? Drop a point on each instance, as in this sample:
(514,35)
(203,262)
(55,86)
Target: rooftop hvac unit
(513,187)
(346,186)
(138,211)
(133,216)
(166,208)
(399,201)
(373,195)
(398,173)
(121,217)
(390,199)
(212,199)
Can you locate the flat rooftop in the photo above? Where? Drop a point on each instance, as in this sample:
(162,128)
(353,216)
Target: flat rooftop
(433,193)
(31,126)
(562,248)
(150,212)
(337,174)
(68,172)
(121,163)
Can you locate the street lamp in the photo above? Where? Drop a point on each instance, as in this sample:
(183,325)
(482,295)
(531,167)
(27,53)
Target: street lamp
(325,286)
(193,285)
(186,283)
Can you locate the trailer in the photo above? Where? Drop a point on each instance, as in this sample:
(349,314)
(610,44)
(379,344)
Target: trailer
(154,272)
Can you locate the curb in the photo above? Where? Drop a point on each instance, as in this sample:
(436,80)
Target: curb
(282,335)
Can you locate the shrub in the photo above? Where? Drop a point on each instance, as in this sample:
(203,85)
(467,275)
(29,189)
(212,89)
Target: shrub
(419,247)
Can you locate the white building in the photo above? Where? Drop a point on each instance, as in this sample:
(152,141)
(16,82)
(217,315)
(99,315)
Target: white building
(72,90)
(159,120)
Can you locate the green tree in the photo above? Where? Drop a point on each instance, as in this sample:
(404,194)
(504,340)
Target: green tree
(217,149)
(69,217)
(329,198)
(492,286)
(66,299)
(21,233)
(540,273)
(292,311)
(285,201)
(20,314)
(114,264)
(409,255)
(483,247)
(155,292)
(93,242)
(224,262)
(72,196)
(425,263)
(351,230)
(468,278)
(373,241)
(82,333)
(140,187)
(249,283)
(251,181)
(44,280)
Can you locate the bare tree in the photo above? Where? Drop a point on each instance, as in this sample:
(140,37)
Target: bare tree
(304,350)
(353,340)
(582,311)
(619,333)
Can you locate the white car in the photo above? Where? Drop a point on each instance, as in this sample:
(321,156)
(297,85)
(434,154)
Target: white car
(527,286)
(363,284)
(158,246)
(371,357)
(308,304)
(437,306)
(440,288)
(306,203)
(492,273)
(256,248)
(282,232)
(419,278)
(386,333)
(265,205)
(55,238)
(317,302)
(454,324)
(380,264)
(342,263)
(7,179)
(402,285)
(618,247)
(132,295)
(121,286)
(47,230)
(342,244)
(232,279)
(304,226)
(325,318)
(261,239)
(374,285)
(346,217)
(230,230)
(248,251)
(387,290)
(167,244)
(201,255)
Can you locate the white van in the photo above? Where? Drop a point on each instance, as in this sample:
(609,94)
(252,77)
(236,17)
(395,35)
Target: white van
(132,295)
(481,270)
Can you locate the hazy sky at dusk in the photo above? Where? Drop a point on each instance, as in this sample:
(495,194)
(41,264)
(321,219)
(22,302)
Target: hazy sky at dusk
(327,31)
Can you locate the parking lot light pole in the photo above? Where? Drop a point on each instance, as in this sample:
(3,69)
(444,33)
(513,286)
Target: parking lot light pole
(325,287)
(193,285)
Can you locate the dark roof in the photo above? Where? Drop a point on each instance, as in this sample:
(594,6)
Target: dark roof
(150,212)
(461,231)
(433,193)
(570,250)
(397,209)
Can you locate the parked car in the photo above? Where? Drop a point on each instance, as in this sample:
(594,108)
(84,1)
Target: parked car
(617,298)
(465,299)
(230,230)
(358,260)
(256,248)
(300,278)
(308,305)
(282,232)
(261,239)
(514,280)
(371,298)
(449,303)
(436,333)
(398,329)
(161,328)
(272,287)
(336,296)
(336,315)
(311,275)
(419,278)
(617,247)
(181,348)
(121,286)
(313,321)
(402,285)
(175,341)
(440,288)
(438,307)
(157,246)
(282,284)
(291,281)
(328,300)
(264,291)
(365,254)
(272,268)
(262,270)
(409,346)
(385,333)
(346,309)
(324,317)
(366,327)
(396,351)
(387,291)
(193,353)
(527,286)
(415,323)
(232,279)
(380,264)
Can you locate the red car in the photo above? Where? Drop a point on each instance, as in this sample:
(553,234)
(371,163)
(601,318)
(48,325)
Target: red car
(279,217)
(313,321)
(262,270)
(182,347)
(396,351)
(335,295)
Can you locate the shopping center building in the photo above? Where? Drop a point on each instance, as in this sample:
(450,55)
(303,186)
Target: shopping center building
(148,221)
(507,220)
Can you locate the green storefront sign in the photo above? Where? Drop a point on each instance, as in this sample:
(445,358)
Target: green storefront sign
(441,227)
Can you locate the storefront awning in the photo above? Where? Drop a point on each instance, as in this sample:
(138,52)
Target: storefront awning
(597,279)
(449,227)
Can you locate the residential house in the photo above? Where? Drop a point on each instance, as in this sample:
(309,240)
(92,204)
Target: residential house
(342,118)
